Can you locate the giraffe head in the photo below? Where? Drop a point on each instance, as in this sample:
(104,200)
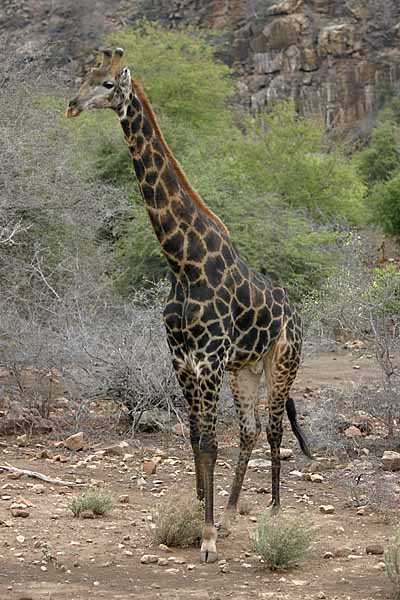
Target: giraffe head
(107,86)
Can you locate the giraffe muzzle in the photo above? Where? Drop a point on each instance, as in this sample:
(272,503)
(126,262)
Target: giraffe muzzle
(73,109)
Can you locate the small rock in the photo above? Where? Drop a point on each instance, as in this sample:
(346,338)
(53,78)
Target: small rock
(321,596)
(380,566)
(190,567)
(316,478)
(341,552)
(162,562)
(148,559)
(75,441)
(20,539)
(149,467)
(20,512)
(286,453)
(297,474)
(328,555)
(180,429)
(391,460)
(375,549)
(352,431)
(123,499)
(14,475)
(164,548)
(22,440)
(43,454)
(327,509)
(259,463)
(361,511)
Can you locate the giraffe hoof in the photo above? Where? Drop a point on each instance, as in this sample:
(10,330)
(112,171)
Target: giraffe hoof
(208,556)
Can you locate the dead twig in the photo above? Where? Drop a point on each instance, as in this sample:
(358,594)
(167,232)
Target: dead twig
(37,475)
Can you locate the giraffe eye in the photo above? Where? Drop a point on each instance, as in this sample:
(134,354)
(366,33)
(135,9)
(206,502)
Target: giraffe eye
(108,84)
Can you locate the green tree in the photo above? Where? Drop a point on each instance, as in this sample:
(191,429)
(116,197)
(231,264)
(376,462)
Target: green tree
(384,205)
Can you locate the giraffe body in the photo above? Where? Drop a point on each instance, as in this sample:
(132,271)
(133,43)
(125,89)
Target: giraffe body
(221,315)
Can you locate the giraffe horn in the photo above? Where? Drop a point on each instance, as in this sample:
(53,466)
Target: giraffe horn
(107,57)
(116,59)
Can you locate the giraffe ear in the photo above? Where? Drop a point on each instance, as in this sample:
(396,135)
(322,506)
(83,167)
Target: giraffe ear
(125,79)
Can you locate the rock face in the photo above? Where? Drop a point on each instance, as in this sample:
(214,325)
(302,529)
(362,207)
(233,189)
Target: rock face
(333,58)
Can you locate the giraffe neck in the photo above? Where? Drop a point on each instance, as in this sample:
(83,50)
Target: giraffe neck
(180,224)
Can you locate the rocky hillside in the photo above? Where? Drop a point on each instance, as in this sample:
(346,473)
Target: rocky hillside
(334,58)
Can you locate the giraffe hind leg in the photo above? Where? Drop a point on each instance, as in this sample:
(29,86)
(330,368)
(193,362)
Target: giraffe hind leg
(280,365)
(244,386)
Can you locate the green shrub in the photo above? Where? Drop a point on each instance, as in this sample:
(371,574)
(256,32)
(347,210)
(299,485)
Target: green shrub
(381,159)
(384,204)
(392,564)
(282,540)
(97,501)
(178,522)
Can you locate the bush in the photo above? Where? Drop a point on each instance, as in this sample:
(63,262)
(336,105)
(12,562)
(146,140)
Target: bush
(282,541)
(384,205)
(392,564)
(178,522)
(97,501)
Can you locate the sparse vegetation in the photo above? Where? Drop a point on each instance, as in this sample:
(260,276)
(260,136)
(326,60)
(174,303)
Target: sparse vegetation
(282,540)
(178,522)
(392,564)
(97,501)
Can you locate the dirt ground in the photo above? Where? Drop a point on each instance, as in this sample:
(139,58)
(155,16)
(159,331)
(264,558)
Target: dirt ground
(100,558)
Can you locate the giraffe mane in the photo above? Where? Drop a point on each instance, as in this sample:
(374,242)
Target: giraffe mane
(197,199)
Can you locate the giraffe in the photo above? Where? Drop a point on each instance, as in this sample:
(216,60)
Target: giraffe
(221,316)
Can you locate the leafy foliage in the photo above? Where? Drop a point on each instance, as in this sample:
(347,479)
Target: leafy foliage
(379,165)
(282,540)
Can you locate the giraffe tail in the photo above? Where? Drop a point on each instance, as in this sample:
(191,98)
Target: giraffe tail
(297,430)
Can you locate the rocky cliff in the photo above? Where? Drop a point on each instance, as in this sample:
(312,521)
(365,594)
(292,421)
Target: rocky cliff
(334,58)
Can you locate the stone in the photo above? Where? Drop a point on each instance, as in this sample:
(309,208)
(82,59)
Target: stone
(352,431)
(338,40)
(123,499)
(22,440)
(149,467)
(259,463)
(180,429)
(391,460)
(316,478)
(75,441)
(162,562)
(375,549)
(328,555)
(15,475)
(286,453)
(327,509)
(341,552)
(20,512)
(148,559)
(39,488)
(164,548)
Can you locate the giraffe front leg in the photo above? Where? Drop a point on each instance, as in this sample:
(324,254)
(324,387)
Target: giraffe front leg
(208,457)
(209,388)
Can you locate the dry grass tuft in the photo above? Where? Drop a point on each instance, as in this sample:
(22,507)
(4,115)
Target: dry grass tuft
(282,540)
(178,522)
(99,502)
